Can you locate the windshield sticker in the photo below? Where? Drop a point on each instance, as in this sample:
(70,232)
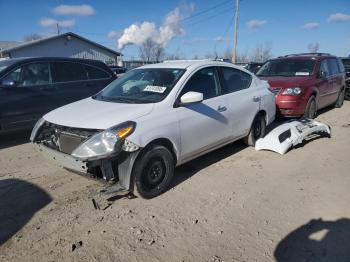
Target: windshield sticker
(156,89)
(302,73)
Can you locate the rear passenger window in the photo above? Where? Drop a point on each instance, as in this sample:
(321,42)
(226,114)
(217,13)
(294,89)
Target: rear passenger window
(333,65)
(234,80)
(96,73)
(67,71)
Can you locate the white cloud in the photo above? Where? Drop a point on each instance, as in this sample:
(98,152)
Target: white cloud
(311,26)
(83,10)
(48,22)
(255,24)
(113,34)
(138,33)
(338,18)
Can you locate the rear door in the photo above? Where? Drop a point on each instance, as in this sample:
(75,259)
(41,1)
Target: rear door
(98,79)
(336,80)
(71,82)
(324,84)
(25,102)
(243,100)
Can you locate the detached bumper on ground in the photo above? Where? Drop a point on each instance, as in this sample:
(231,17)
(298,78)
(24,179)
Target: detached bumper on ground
(290,134)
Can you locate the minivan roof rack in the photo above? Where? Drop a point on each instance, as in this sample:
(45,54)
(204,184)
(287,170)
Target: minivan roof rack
(309,54)
(195,60)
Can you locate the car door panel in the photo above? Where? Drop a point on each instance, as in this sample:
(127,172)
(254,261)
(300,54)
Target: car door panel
(210,121)
(22,105)
(243,99)
(208,118)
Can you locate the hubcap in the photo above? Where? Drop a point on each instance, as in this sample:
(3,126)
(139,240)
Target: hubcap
(154,173)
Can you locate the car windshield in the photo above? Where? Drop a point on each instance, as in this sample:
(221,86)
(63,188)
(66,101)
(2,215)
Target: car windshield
(287,67)
(346,63)
(149,85)
(5,63)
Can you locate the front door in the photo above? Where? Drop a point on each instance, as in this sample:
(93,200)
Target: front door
(203,125)
(28,99)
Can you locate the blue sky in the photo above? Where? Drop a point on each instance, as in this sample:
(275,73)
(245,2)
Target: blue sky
(278,23)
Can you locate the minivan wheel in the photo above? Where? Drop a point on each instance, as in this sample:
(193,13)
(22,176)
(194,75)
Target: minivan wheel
(311,108)
(340,100)
(153,172)
(256,131)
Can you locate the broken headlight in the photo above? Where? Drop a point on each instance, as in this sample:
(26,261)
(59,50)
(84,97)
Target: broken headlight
(105,143)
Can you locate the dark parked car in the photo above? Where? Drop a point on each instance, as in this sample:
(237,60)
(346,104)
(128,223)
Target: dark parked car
(304,83)
(31,87)
(346,62)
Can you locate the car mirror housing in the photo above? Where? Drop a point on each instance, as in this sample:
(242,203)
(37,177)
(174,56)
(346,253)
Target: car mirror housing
(7,84)
(323,74)
(191,97)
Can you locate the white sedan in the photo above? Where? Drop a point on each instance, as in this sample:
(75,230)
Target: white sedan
(154,118)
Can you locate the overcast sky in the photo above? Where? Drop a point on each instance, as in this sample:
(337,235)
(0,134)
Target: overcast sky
(190,28)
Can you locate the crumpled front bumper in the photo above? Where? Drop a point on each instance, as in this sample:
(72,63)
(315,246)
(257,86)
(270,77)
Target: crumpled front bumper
(290,134)
(117,169)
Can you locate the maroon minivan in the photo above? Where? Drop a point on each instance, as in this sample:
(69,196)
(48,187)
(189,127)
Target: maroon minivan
(304,83)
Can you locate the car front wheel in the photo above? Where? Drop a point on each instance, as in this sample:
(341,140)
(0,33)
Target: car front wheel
(153,172)
(256,131)
(311,108)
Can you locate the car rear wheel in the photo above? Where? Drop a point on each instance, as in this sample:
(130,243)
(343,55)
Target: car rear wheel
(340,100)
(153,172)
(311,108)
(256,131)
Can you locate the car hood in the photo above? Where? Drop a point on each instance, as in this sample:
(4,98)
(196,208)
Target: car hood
(282,81)
(94,114)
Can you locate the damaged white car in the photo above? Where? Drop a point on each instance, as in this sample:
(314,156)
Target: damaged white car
(156,117)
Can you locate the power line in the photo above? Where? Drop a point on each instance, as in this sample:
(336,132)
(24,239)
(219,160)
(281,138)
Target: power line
(205,11)
(209,17)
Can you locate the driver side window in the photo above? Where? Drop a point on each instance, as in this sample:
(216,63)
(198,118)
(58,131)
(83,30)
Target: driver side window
(324,68)
(204,81)
(29,75)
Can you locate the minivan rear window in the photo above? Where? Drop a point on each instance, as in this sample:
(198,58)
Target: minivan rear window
(95,73)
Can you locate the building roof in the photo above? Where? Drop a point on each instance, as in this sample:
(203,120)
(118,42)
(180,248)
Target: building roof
(8,44)
(35,42)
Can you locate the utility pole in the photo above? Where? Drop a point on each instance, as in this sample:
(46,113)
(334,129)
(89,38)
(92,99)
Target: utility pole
(234,54)
(58,29)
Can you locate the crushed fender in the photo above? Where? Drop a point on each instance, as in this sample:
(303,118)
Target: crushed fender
(290,134)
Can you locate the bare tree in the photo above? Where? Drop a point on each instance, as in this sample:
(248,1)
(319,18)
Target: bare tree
(313,47)
(261,53)
(151,51)
(240,57)
(32,37)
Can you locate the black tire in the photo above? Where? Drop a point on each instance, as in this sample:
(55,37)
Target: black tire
(347,93)
(257,130)
(153,172)
(340,100)
(311,108)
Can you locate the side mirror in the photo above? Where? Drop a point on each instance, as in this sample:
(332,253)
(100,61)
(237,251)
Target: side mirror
(7,84)
(191,97)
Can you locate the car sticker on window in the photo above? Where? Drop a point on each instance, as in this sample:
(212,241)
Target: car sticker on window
(302,73)
(156,89)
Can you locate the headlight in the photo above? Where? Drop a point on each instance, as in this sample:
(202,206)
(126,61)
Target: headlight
(292,91)
(36,128)
(105,143)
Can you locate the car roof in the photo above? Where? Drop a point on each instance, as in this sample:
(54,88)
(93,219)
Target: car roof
(306,56)
(47,58)
(183,64)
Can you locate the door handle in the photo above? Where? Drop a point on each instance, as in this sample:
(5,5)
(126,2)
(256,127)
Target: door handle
(256,98)
(222,108)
